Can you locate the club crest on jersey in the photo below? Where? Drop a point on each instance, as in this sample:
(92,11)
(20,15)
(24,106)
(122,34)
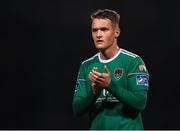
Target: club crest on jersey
(118,73)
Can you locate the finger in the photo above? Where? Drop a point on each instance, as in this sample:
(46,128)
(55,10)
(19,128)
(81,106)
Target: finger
(100,80)
(95,78)
(92,77)
(96,68)
(97,73)
(106,69)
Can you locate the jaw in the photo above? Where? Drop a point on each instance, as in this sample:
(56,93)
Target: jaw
(100,47)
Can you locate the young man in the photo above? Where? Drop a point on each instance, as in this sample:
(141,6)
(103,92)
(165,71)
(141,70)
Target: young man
(112,85)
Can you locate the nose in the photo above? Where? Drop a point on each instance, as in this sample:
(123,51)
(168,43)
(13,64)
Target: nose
(99,34)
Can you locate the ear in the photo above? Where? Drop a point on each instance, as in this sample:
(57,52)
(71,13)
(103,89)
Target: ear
(117,32)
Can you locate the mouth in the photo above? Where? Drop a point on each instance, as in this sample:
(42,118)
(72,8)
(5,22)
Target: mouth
(99,41)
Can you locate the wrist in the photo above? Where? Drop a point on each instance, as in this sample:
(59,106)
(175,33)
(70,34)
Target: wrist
(96,90)
(108,83)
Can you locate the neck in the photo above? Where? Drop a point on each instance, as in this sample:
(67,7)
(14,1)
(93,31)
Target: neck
(109,53)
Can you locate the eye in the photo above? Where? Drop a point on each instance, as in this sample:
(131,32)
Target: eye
(104,29)
(94,30)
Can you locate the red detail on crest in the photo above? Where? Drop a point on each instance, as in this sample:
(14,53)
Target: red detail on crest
(118,73)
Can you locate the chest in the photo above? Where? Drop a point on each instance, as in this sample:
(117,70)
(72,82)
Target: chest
(117,71)
(118,76)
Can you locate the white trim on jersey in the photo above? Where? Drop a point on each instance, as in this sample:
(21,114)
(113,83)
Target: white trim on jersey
(137,73)
(81,80)
(109,60)
(90,58)
(129,53)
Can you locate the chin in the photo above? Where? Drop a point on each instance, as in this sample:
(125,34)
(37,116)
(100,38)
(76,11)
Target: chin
(100,47)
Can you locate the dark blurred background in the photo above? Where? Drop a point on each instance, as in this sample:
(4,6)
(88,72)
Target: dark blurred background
(43,42)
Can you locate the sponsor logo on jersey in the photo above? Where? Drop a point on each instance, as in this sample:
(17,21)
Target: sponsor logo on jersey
(142,79)
(106,93)
(106,96)
(142,67)
(118,73)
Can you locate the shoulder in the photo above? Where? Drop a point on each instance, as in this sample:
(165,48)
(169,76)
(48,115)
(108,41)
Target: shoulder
(131,58)
(90,60)
(134,63)
(128,54)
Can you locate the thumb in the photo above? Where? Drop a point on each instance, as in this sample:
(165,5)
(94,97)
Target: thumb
(106,69)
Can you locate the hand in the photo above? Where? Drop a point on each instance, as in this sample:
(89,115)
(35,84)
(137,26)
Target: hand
(96,88)
(99,80)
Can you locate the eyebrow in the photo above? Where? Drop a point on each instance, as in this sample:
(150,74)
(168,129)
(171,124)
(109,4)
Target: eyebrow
(101,28)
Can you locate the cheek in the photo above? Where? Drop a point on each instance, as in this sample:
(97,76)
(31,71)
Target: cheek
(93,36)
(109,38)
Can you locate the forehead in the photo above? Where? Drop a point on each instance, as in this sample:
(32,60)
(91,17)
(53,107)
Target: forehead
(97,23)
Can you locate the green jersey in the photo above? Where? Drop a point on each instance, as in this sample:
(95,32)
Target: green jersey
(119,106)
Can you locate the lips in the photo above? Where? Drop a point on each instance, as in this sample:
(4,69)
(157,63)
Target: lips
(99,41)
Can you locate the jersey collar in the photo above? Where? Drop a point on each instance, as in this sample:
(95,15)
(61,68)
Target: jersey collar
(109,60)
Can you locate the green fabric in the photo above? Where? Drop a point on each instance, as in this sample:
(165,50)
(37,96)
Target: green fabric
(120,106)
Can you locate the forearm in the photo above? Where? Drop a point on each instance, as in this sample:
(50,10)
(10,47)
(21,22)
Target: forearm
(83,104)
(135,99)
